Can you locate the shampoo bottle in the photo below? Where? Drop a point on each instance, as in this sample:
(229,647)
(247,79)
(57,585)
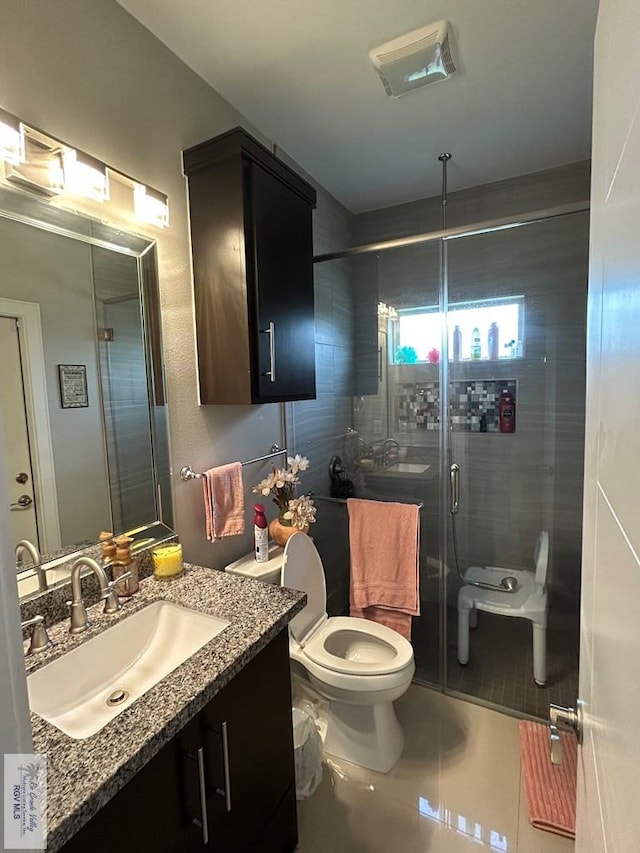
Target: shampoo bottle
(507,412)
(261,534)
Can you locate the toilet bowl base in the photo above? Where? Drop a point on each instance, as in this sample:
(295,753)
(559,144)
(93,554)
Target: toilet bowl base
(367,735)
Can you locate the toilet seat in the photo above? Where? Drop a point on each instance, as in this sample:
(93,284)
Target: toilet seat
(340,644)
(357,646)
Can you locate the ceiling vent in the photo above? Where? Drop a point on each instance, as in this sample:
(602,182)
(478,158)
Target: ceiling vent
(415,59)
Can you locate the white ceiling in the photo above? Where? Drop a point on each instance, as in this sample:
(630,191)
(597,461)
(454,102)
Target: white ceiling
(299,71)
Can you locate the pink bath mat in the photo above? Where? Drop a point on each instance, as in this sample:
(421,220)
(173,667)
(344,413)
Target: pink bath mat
(550,789)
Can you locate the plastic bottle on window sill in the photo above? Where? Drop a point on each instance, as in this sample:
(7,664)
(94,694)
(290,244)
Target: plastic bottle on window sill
(493,341)
(457,343)
(125,562)
(476,347)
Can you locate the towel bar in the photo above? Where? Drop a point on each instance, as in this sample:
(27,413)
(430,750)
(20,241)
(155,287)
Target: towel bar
(187,472)
(343,501)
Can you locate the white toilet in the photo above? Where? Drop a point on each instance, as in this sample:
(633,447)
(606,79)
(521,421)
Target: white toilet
(361,667)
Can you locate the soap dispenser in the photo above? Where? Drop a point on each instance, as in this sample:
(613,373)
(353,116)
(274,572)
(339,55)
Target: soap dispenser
(108,547)
(124,562)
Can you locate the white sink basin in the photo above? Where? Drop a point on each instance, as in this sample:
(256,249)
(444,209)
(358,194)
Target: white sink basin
(410,467)
(73,692)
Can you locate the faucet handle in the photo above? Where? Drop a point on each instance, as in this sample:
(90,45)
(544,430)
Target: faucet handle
(40,640)
(111,601)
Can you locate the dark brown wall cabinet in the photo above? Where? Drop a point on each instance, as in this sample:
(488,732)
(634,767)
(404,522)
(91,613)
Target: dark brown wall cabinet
(224,784)
(252,244)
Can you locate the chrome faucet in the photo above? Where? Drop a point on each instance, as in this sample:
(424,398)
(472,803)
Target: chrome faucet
(36,559)
(79,618)
(40,641)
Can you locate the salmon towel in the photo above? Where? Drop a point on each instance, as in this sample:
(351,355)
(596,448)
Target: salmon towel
(224,501)
(550,789)
(384,546)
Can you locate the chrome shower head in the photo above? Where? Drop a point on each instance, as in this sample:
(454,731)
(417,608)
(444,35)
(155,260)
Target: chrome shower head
(510,584)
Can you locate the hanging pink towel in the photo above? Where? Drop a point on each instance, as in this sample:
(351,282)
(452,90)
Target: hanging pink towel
(384,546)
(224,501)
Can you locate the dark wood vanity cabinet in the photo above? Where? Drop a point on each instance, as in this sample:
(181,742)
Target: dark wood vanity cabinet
(252,246)
(224,784)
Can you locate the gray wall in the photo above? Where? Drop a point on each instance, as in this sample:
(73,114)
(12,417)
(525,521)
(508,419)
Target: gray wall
(318,428)
(98,80)
(56,273)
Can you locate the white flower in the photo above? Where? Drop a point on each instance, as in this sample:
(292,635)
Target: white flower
(281,483)
(264,486)
(301,512)
(297,463)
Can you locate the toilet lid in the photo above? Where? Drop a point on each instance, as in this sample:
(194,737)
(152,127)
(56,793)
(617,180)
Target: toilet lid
(358,646)
(302,569)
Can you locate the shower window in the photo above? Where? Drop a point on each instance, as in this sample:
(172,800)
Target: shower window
(416,333)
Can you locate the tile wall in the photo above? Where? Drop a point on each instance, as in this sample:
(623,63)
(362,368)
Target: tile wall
(318,428)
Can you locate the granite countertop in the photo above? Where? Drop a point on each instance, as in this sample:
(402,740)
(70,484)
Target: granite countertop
(83,775)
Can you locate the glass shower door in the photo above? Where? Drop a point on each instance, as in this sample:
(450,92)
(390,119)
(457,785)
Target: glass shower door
(516,335)
(397,418)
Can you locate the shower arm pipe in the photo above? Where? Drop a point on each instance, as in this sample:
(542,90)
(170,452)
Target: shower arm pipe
(475,229)
(444,159)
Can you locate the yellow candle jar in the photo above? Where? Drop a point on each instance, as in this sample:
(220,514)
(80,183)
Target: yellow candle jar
(167,561)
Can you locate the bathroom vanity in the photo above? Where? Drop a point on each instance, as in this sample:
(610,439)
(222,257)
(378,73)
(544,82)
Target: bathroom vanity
(201,761)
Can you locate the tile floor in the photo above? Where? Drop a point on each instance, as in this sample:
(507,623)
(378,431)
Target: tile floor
(500,668)
(456,788)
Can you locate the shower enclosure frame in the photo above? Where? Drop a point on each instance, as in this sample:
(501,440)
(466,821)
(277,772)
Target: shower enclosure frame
(443,236)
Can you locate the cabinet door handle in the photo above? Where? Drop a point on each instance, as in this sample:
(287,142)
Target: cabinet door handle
(379,364)
(226,792)
(203,822)
(271,331)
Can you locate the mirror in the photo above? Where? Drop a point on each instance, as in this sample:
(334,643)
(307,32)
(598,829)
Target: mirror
(82,395)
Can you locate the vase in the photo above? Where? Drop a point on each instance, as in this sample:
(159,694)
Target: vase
(280,532)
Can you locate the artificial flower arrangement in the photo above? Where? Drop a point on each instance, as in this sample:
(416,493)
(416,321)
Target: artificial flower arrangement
(281,483)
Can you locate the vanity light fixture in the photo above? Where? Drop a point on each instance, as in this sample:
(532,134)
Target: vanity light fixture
(85,175)
(151,205)
(41,170)
(11,138)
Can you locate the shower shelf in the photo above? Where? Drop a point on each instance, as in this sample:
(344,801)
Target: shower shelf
(418,405)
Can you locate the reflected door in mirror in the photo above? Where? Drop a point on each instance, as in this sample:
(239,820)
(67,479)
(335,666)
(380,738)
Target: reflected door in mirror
(16,434)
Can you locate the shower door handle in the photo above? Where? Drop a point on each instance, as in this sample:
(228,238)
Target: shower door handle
(454,481)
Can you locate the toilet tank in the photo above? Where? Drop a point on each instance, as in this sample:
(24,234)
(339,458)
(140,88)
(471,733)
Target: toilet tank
(268,572)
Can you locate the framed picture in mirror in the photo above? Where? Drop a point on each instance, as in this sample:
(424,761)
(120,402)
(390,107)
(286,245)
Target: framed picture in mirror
(73,386)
